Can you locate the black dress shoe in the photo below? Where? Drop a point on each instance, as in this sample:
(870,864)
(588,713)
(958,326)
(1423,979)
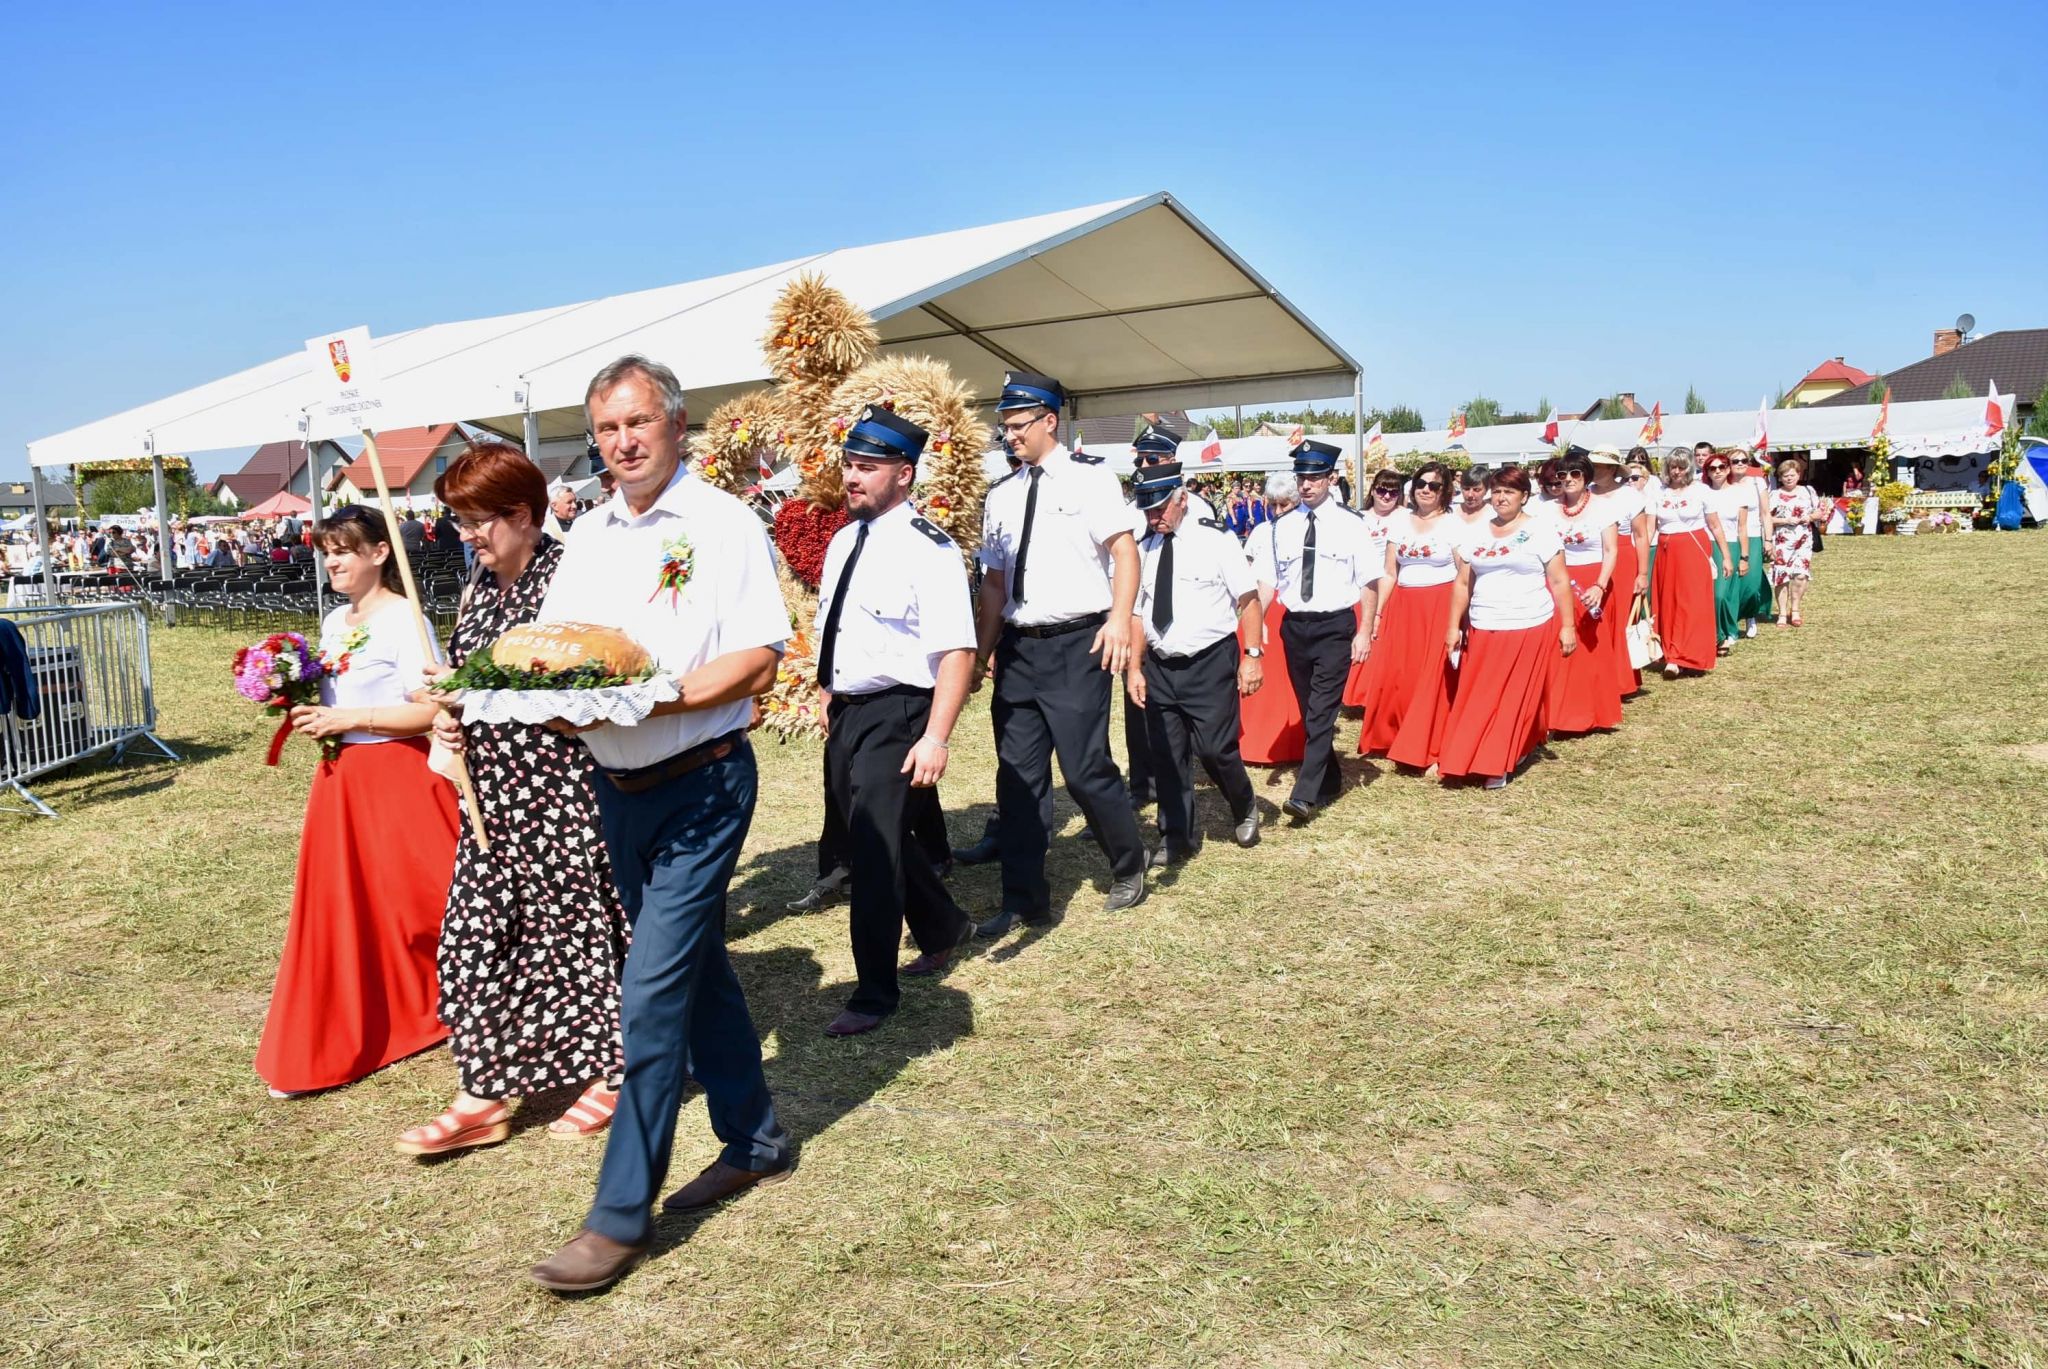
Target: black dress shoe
(1301,810)
(1168,854)
(981,853)
(1125,893)
(1246,833)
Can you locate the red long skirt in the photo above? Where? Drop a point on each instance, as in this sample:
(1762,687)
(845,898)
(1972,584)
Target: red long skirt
(1354,683)
(1584,696)
(1408,678)
(356,988)
(1682,598)
(1269,722)
(1621,600)
(1502,711)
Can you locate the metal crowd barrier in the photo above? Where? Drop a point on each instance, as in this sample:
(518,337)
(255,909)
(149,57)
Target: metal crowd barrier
(90,664)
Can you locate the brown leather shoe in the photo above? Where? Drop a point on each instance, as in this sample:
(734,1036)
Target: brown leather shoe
(931,962)
(851,1023)
(587,1263)
(718,1182)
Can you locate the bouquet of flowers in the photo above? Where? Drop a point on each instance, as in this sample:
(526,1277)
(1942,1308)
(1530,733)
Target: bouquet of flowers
(281,672)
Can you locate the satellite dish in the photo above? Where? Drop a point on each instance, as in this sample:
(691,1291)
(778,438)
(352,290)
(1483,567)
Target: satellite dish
(1966,323)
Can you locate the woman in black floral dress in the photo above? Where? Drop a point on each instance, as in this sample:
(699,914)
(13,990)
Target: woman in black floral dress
(534,934)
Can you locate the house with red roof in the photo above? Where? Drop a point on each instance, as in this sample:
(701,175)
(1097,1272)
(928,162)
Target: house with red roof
(412,459)
(273,468)
(1825,381)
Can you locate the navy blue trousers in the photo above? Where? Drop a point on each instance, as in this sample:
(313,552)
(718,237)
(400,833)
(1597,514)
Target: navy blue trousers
(673,851)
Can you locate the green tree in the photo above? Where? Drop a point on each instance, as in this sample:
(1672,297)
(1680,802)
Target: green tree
(1778,399)
(1693,403)
(1543,410)
(2037,426)
(1958,388)
(1400,419)
(119,493)
(1879,388)
(1482,412)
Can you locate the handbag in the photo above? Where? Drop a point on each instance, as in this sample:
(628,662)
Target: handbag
(1644,650)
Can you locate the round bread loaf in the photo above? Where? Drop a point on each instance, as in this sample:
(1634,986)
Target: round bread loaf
(553,647)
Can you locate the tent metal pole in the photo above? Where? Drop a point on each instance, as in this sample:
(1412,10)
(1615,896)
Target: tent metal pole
(35,484)
(314,497)
(165,566)
(1358,439)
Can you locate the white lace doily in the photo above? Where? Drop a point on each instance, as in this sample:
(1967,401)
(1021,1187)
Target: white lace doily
(623,704)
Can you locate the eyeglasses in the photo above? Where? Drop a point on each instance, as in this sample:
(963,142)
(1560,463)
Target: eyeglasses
(1385,492)
(1715,466)
(1637,479)
(475,524)
(1429,484)
(1013,429)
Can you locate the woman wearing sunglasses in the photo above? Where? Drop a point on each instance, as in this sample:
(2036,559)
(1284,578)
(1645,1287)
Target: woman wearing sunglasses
(1383,499)
(1408,678)
(1735,506)
(1689,536)
(1587,694)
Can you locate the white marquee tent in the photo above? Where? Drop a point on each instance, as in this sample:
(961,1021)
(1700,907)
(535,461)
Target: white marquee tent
(1135,305)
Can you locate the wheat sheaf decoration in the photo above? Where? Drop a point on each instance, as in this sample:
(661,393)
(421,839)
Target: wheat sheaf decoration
(737,441)
(815,332)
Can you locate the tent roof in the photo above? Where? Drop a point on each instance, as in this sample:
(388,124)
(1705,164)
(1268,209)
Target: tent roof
(1134,305)
(1939,427)
(283,502)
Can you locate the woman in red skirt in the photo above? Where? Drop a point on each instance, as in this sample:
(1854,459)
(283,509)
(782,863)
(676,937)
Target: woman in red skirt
(1511,580)
(1383,511)
(1625,501)
(1586,693)
(1408,678)
(355,987)
(1269,725)
(1690,541)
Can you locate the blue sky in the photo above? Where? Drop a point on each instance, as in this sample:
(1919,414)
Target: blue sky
(1515,200)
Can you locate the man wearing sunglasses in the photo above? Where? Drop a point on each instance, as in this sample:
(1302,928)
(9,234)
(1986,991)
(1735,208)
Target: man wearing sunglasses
(1060,580)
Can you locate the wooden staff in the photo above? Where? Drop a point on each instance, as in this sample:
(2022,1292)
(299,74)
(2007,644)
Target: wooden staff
(419,618)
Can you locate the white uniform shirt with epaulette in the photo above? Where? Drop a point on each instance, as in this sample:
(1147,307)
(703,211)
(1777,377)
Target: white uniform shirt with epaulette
(1345,563)
(909,604)
(1209,576)
(1081,510)
(1198,508)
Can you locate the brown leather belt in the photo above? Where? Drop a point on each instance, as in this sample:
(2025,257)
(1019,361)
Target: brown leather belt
(676,766)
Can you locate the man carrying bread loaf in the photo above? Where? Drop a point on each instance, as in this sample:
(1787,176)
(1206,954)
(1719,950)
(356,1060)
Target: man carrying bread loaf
(895,658)
(683,569)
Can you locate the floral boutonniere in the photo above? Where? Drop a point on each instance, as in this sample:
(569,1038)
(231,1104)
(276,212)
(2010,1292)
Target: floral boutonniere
(678,559)
(356,640)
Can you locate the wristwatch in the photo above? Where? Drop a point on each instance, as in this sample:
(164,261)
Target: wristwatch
(1255,652)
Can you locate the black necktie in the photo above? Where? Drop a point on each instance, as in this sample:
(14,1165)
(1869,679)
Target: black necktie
(1024,537)
(1162,586)
(831,637)
(1308,559)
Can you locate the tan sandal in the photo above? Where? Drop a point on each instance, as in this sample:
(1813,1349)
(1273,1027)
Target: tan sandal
(588,1116)
(454,1130)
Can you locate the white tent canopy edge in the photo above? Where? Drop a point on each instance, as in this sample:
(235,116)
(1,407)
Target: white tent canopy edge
(1133,304)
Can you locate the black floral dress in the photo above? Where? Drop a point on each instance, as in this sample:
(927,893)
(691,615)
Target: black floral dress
(534,934)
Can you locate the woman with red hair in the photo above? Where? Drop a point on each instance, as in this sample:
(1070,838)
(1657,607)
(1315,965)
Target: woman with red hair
(1407,694)
(1587,696)
(1689,536)
(1511,580)
(534,934)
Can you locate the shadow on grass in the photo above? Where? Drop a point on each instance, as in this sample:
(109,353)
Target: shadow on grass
(817,1080)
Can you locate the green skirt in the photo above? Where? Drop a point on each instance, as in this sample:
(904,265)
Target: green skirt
(1727,600)
(1756,586)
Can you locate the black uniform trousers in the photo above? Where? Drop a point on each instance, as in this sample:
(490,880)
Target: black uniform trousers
(927,825)
(1052,694)
(893,881)
(1318,662)
(1191,712)
(1138,746)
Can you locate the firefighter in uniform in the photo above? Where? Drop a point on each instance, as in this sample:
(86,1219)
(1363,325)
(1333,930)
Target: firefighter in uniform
(895,660)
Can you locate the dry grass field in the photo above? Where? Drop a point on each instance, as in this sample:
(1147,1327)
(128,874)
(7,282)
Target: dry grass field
(1719,1040)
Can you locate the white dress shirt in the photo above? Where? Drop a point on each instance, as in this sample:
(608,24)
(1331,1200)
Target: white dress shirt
(383,671)
(1081,510)
(1344,557)
(908,607)
(610,575)
(1209,577)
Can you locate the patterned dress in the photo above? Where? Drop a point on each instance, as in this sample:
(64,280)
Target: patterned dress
(1792,535)
(534,934)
